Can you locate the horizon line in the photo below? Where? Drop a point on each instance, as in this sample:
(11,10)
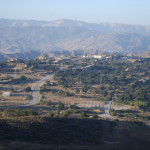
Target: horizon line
(41,20)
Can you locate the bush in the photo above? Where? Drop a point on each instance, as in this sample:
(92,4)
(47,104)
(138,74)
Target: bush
(45,103)
(74,107)
(23,78)
(30,112)
(140,104)
(95,116)
(47,83)
(83,114)
(57,112)
(14,112)
(29,97)
(44,89)
(50,114)
(61,106)
(112,112)
(66,113)
(108,97)
(28,89)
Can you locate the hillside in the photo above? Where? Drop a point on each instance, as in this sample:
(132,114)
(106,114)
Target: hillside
(145,54)
(70,35)
(22,55)
(76,134)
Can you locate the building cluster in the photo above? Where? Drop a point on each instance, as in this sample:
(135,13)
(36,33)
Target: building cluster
(101,57)
(107,56)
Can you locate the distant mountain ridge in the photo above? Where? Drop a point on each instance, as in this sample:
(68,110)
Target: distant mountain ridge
(71,35)
(101,27)
(23,56)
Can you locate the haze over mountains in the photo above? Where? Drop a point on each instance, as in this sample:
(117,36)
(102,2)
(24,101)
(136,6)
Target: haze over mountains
(72,36)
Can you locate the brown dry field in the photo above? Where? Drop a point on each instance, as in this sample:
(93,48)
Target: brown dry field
(69,100)
(19,95)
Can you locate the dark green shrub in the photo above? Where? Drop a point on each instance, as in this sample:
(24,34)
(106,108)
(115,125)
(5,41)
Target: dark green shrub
(95,116)
(29,97)
(14,112)
(61,106)
(83,114)
(66,113)
(51,114)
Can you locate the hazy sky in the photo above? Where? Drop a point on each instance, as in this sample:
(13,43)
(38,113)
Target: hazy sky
(111,11)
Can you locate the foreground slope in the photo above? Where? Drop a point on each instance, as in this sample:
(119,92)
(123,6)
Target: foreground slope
(60,133)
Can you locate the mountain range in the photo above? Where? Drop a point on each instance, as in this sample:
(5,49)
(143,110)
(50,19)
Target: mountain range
(20,36)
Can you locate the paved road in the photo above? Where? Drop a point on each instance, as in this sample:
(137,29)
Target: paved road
(35,90)
(35,100)
(106,110)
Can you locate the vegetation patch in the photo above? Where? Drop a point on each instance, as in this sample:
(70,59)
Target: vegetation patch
(14,112)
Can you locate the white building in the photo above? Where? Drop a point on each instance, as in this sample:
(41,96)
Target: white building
(99,56)
(6,94)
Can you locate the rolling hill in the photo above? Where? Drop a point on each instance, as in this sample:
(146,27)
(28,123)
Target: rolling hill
(71,35)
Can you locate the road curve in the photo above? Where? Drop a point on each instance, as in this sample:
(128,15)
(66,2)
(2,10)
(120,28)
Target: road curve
(106,111)
(35,91)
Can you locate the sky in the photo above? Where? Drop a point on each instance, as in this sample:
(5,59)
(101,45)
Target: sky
(135,12)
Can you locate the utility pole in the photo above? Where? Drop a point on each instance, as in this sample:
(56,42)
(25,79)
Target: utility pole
(115,98)
(139,56)
(91,57)
(61,66)
(115,72)
(15,67)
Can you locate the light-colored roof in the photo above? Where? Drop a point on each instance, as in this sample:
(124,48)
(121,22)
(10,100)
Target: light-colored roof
(5,94)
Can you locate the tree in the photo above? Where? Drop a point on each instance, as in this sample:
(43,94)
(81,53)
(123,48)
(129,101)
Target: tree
(48,83)
(77,91)
(95,116)
(108,97)
(61,106)
(104,93)
(29,97)
(23,78)
(50,114)
(83,114)
(28,89)
(65,85)
(85,88)
(66,113)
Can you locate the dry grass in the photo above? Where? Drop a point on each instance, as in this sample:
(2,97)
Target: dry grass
(65,134)
(19,95)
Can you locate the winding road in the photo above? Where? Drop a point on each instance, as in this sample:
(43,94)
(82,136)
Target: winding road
(35,91)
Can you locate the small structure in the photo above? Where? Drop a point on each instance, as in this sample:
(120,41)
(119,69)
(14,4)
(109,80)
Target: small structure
(6,94)
(20,66)
(43,57)
(99,56)
(14,60)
